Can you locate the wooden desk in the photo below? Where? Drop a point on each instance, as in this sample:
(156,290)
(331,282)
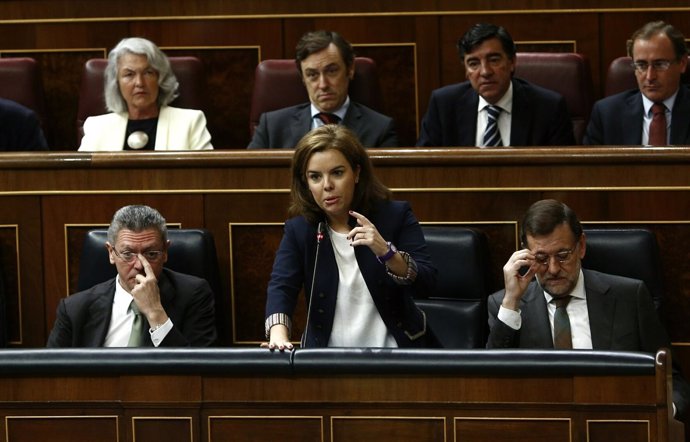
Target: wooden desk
(334,395)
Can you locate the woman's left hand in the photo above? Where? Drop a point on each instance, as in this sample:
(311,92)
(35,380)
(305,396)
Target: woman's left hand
(365,234)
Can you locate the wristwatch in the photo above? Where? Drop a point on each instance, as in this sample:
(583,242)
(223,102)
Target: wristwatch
(392,250)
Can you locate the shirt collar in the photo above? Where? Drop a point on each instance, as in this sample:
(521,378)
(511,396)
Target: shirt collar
(122,298)
(340,112)
(647,103)
(505,103)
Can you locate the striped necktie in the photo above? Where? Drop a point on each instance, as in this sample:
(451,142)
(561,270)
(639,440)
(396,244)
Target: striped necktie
(492,137)
(136,336)
(562,338)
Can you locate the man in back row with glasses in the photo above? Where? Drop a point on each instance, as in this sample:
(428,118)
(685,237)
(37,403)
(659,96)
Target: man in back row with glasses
(145,305)
(657,113)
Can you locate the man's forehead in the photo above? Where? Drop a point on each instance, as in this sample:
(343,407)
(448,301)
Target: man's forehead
(326,56)
(143,236)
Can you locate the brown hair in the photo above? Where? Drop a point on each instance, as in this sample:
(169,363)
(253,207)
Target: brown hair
(330,136)
(316,41)
(544,216)
(653,28)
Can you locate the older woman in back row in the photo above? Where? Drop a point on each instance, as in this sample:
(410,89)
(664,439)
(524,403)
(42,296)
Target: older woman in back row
(139,86)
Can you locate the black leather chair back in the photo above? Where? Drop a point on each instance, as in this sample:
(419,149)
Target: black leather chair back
(633,253)
(192,251)
(456,311)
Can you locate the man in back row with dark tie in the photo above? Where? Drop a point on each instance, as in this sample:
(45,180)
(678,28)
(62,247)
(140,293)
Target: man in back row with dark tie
(494,109)
(326,63)
(658,112)
(549,301)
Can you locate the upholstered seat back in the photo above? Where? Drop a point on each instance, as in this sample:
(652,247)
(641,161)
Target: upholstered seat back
(633,253)
(566,73)
(620,76)
(20,81)
(192,251)
(456,311)
(188,70)
(277,84)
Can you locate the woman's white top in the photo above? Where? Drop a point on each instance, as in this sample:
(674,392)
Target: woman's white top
(357,322)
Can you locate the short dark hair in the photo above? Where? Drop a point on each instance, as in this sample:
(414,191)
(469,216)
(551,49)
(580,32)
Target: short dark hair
(544,216)
(316,41)
(481,32)
(653,28)
(337,137)
(137,218)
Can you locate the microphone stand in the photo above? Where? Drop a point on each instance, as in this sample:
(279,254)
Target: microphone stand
(320,232)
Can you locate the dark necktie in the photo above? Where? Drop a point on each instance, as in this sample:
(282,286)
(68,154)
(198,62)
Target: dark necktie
(492,137)
(135,338)
(562,337)
(657,128)
(328,118)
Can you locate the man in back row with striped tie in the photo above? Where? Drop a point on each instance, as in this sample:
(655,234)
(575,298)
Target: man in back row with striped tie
(494,109)
(550,301)
(145,305)
(326,64)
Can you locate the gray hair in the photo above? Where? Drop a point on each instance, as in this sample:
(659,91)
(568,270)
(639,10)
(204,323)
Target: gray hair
(167,82)
(137,218)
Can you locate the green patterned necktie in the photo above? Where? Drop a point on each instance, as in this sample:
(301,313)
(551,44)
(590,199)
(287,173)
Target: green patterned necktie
(135,338)
(562,338)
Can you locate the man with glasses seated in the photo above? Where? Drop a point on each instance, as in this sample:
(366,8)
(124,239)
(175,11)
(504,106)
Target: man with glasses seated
(549,301)
(145,305)
(658,111)
(493,109)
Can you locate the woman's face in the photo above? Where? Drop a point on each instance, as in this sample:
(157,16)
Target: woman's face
(332,182)
(138,83)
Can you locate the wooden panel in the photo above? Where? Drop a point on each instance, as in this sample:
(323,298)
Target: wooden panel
(515,430)
(606,431)
(248,428)
(62,429)
(163,429)
(403,429)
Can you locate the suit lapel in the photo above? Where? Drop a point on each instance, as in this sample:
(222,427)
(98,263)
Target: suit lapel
(96,327)
(536,328)
(632,120)
(521,118)
(679,119)
(301,123)
(601,308)
(162,128)
(353,117)
(466,118)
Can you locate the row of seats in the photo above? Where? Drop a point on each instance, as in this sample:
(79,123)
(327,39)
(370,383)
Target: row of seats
(277,84)
(456,311)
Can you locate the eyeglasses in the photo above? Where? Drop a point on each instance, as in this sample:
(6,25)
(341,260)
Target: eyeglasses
(562,257)
(657,65)
(128,256)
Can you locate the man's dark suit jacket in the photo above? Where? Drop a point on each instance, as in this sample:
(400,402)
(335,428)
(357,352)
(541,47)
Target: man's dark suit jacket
(293,269)
(283,128)
(621,317)
(539,117)
(617,120)
(83,318)
(19,128)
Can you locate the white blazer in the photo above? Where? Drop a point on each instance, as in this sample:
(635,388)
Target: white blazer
(178,129)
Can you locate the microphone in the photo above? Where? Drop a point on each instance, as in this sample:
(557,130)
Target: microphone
(320,233)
